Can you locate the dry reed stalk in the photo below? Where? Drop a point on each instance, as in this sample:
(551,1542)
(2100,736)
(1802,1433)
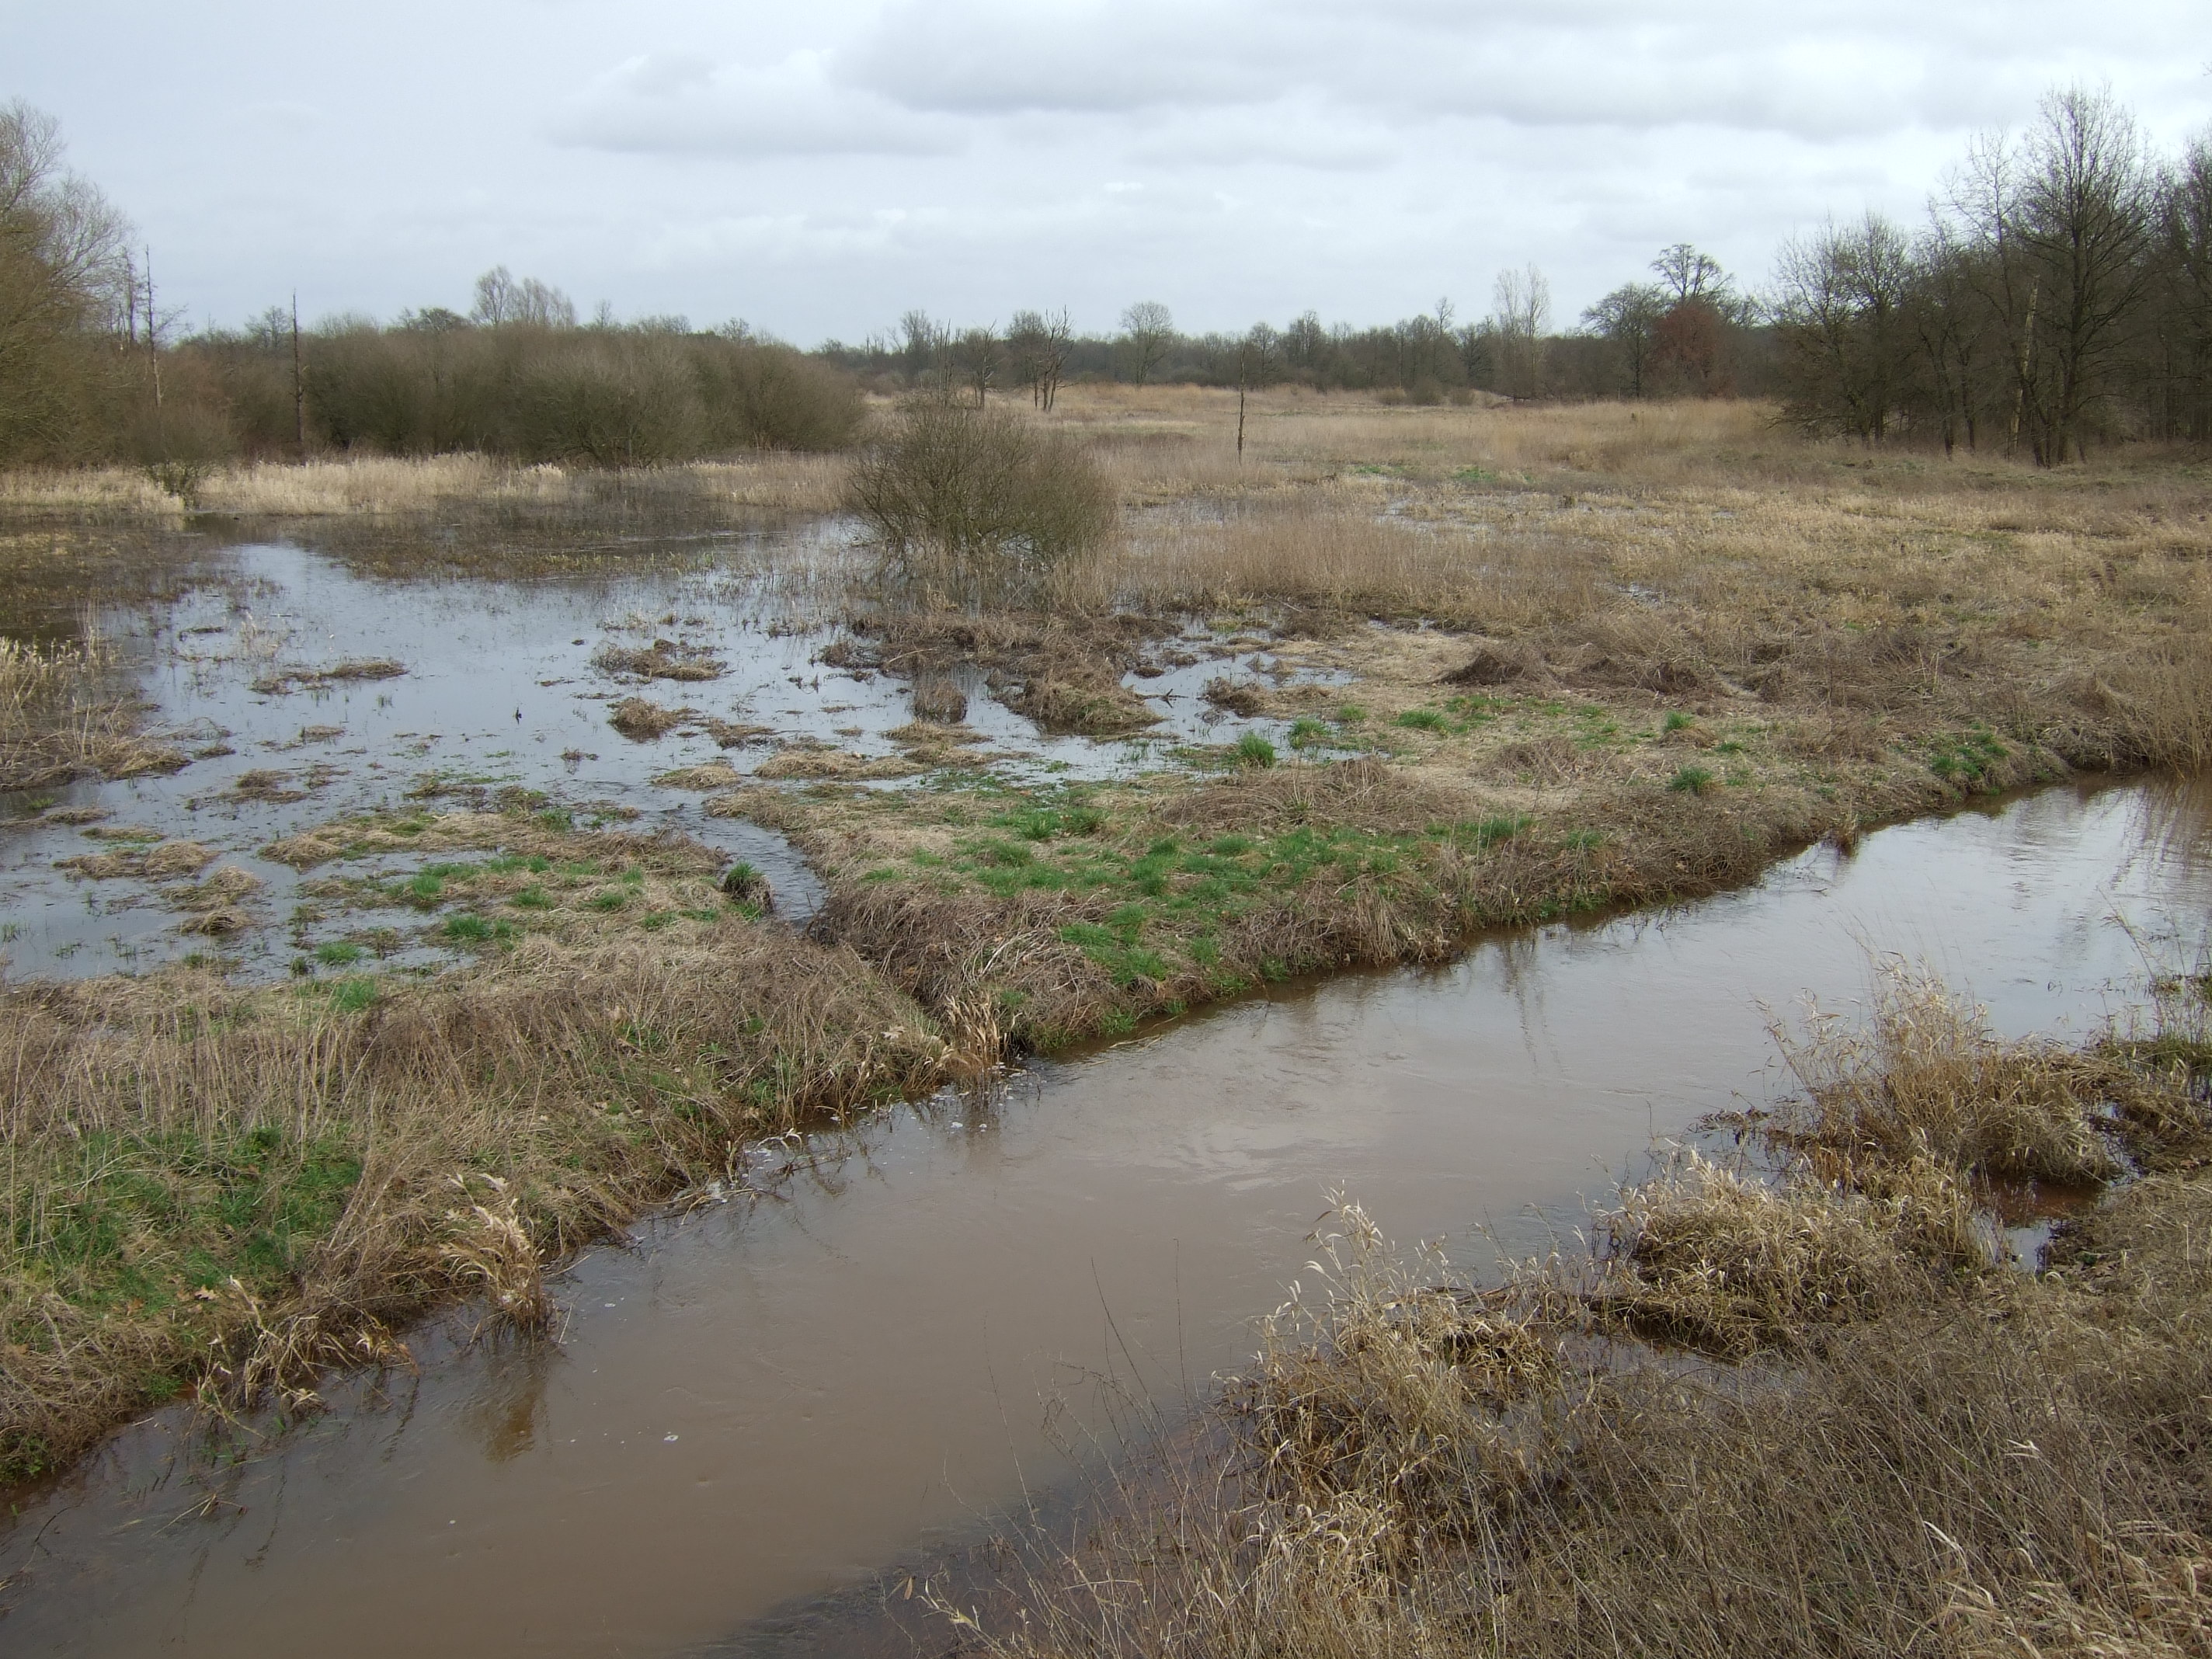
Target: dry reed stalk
(369,485)
(60,717)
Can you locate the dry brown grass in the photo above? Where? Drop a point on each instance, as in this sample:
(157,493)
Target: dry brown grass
(1925,1077)
(404,485)
(1941,1462)
(1722,1260)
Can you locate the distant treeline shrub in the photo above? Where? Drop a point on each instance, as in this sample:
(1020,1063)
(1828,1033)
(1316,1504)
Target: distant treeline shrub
(610,397)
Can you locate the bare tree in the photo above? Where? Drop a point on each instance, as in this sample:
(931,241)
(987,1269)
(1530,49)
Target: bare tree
(1844,292)
(2186,233)
(2066,218)
(1629,318)
(1147,334)
(979,355)
(1686,274)
(1306,342)
(1025,350)
(64,272)
(1521,311)
(1951,334)
(503,299)
(1039,344)
(926,345)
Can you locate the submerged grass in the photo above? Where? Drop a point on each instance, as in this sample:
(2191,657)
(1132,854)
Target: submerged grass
(61,718)
(1895,1447)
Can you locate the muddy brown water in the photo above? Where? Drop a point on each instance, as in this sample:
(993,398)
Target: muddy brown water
(767,1400)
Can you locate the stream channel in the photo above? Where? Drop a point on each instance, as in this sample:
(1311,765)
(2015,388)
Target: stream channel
(769,1400)
(767,1403)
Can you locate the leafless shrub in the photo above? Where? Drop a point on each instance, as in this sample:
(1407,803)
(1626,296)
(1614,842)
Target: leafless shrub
(974,507)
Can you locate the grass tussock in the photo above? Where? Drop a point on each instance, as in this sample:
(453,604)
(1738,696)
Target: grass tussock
(1924,1077)
(1891,1445)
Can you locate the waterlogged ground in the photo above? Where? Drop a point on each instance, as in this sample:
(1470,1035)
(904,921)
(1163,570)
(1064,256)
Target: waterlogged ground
(307,688)
(781,1397)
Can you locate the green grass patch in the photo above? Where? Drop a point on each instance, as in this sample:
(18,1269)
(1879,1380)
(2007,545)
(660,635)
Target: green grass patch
(1969,758)
(338,953)
(1692,780)
(128,1222)
(472,929)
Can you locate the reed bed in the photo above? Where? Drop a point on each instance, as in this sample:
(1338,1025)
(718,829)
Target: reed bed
(411,485)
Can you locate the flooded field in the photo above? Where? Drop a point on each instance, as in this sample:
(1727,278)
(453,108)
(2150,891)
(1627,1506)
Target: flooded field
(784,1395)
(305,686)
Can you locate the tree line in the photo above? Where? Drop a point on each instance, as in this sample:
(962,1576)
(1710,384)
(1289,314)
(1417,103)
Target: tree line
(2060,294)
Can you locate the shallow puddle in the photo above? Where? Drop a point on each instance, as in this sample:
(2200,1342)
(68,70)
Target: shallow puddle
(779,1396)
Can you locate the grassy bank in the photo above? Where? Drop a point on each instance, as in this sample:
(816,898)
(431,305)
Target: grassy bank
(1519,664)
(225,1188)
(1814,1411)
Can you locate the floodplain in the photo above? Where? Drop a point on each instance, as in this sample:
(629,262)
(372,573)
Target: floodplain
(417,872)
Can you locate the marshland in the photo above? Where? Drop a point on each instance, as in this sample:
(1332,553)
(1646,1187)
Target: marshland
(665,994)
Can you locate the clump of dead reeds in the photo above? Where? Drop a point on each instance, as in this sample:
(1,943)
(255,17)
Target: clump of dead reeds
(663,659)
(641,720)
(1925,1077)
(61,717)
(1724,1260)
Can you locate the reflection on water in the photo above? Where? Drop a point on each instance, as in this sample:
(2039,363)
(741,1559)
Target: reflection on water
(774,1397)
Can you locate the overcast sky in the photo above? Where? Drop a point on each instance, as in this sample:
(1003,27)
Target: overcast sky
(817,167)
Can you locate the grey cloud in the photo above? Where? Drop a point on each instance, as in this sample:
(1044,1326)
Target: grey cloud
(1819,72)
(685,103)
